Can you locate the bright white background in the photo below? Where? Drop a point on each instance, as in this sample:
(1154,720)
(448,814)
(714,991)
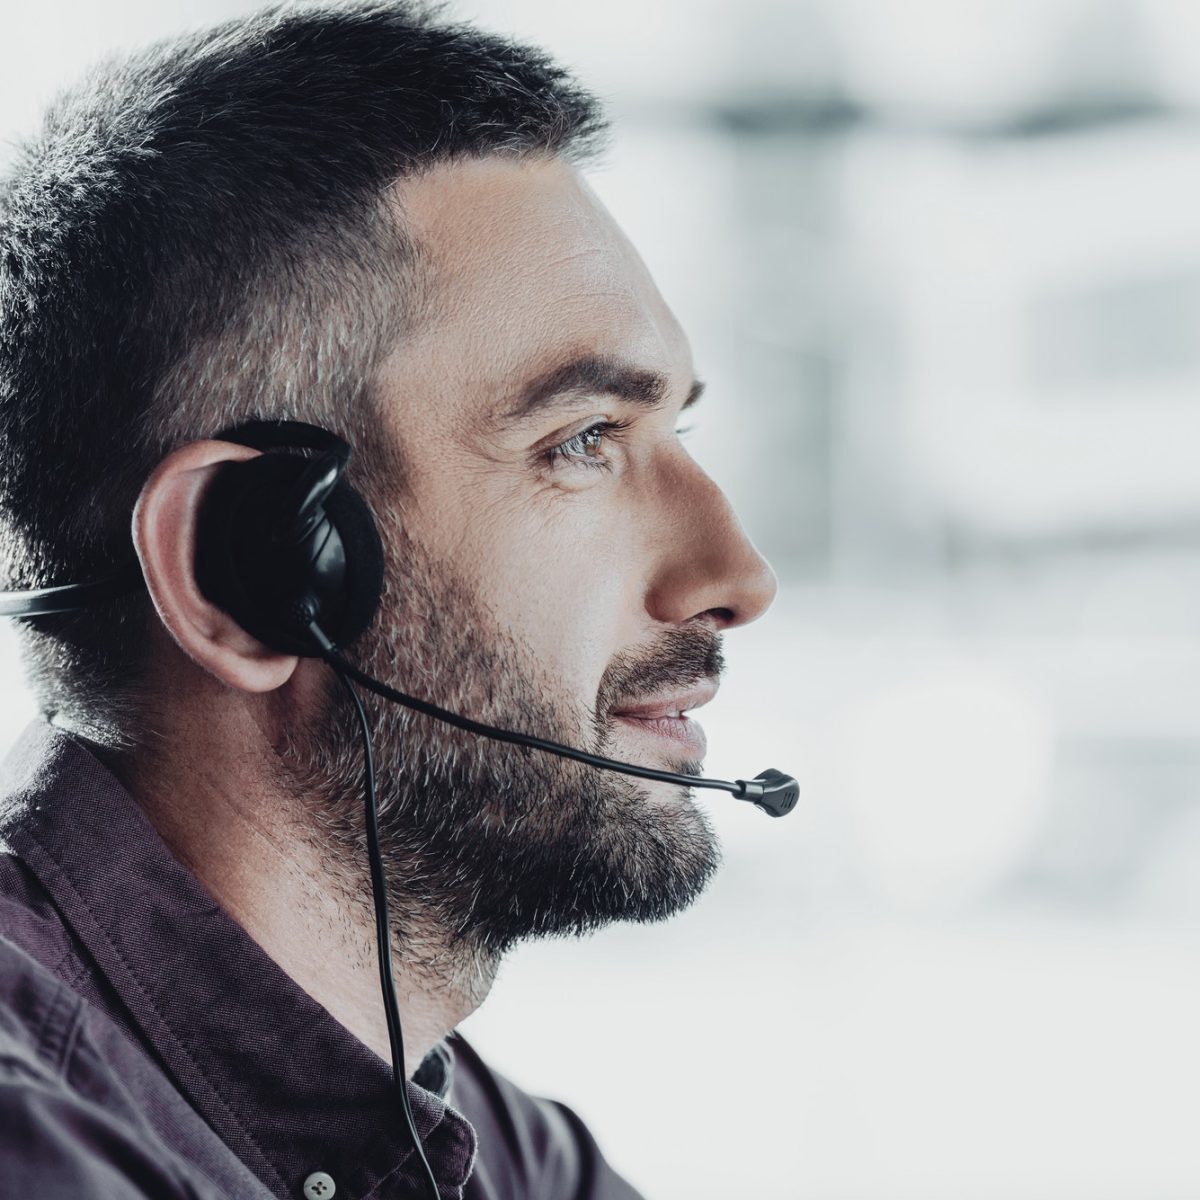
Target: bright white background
(940,261)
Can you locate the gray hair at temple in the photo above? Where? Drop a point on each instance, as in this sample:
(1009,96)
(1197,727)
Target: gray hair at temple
(199,235)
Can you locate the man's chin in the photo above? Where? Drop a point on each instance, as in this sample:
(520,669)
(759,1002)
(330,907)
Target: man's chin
(644,856)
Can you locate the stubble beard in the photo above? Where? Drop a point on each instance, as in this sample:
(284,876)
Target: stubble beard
(486,844)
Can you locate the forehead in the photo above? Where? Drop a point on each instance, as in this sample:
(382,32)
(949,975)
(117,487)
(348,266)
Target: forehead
(523,266)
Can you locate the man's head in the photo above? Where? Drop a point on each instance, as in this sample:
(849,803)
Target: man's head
(203,233)
(479,328)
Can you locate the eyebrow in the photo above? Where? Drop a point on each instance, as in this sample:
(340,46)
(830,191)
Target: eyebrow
(592,375)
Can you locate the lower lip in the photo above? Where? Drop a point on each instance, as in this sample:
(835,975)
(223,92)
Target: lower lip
(682,732)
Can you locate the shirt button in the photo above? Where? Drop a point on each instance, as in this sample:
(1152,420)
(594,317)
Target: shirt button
(319,1186)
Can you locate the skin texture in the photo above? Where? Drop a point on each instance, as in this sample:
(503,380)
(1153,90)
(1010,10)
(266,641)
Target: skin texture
(537,594)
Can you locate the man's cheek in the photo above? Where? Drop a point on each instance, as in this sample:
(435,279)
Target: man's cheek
(559,582)
(565,625)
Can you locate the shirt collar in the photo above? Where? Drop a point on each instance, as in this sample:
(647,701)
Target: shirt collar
(287,1087)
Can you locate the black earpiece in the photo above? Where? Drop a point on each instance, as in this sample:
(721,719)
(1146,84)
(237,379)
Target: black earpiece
(283,541)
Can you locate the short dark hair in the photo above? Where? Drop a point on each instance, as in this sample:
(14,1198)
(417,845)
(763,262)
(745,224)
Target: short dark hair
(199,235)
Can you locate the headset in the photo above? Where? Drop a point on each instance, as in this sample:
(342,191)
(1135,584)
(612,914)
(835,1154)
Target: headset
(292,552)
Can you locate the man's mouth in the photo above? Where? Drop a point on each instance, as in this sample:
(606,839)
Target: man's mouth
(665,716)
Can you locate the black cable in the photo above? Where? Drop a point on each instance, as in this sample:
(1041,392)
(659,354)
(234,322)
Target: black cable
(383,936)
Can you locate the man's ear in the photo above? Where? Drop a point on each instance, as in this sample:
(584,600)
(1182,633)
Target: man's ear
(164,535)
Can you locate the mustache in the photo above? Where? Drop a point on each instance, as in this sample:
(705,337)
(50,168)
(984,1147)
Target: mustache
(677,658)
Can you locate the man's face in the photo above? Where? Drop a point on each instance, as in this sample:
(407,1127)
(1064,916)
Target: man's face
(545,570)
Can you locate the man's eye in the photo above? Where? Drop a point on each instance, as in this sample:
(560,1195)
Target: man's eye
(586,448)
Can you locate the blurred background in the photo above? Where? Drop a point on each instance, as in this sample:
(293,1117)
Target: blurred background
(940,264)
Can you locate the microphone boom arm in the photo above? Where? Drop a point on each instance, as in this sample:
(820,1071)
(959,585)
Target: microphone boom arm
(771,791)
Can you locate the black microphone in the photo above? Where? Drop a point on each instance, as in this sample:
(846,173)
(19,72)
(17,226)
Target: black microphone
(771,791)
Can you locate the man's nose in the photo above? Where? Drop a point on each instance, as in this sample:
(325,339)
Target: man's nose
(706,565)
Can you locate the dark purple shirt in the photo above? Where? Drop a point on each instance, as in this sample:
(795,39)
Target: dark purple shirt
(150,1048)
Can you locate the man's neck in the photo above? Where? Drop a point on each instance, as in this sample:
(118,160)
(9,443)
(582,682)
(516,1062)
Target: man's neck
(250,848)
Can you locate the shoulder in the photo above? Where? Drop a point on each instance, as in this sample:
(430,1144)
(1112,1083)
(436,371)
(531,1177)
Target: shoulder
(38,1014)
(30,920)
(528,1145)
(68,1129)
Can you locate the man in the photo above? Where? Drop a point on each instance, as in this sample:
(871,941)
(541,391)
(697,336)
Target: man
(361,218)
